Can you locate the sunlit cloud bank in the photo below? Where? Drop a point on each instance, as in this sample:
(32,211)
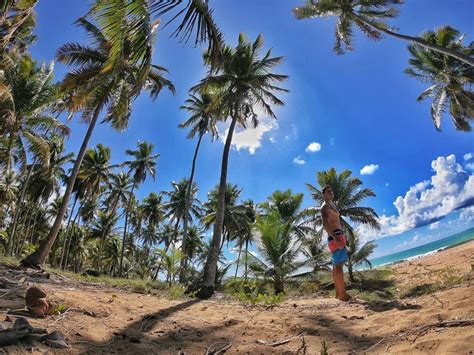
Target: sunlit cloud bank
(450,188)
(251,138)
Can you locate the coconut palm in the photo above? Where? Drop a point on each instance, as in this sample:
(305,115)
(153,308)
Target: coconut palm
(245,235)
(23,128)
(17,20)
(144,163)
(370,17)
(179,205)
(450,79)
(109,75)
(288,206)
(102,228)
(46,179)
(278,251)
(152,210)
(111,254)
(246,82)
(93,174)
(348,194)
(202,121)
(359,255)
(8,193)
(169,262)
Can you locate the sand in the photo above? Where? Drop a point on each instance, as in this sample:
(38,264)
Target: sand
(118,321)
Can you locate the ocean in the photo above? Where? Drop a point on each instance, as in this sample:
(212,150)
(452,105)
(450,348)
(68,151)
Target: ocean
(424,250)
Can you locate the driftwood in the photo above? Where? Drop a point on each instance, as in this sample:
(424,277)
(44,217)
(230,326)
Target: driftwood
(279,342)
(20,329)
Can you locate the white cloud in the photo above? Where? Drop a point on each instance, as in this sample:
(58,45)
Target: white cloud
(386,184)
(369,169)
(468,156)
(469,166)
(467,214)
(299,161)
(271,139)
(332,141)
(250,138)
(313,147)
(435,225)
(450,188)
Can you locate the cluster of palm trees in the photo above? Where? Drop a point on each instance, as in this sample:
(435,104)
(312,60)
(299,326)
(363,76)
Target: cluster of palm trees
(78,228)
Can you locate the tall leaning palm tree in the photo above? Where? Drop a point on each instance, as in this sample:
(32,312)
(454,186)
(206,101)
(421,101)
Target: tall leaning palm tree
(144,163)
(348,194)
(369,16)
(451,80)
(202,121)
(246,82)
(108,75)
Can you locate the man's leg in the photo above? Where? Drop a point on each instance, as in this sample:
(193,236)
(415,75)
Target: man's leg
(338,275)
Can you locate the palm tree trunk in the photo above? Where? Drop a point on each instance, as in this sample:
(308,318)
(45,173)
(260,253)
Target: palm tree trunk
(210,269)
(238,261)
(246,257)
(22,194)
(68,248)
(449,52)
(23,232)
(112,213)
(124,238)
(39,256)
(63,250)
(185,216)
(18,209)
(349,270)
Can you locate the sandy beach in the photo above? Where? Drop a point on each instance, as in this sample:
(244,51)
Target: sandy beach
(104,321)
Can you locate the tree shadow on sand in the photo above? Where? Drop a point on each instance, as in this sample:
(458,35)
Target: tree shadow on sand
(383,306)
(146,336)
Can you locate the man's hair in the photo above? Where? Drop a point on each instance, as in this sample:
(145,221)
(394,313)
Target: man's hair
(325,187)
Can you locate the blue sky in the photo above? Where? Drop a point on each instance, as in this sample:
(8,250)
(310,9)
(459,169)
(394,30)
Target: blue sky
(360,109)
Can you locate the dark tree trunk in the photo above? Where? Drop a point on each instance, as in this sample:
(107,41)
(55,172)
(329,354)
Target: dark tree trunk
(210,268)
(124,238)
(185,216)
(63,249)
(422,42)
(39,256)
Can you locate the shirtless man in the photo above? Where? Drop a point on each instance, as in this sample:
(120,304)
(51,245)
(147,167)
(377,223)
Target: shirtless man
(336,241)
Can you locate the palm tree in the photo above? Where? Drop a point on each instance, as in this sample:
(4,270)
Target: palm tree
(8,192)
(170,263)
(46,179)
(359,255)
(111,254)
(23,128)
(152,209)
(369,16)
(202,121)
(278,249)
(143,164)
(245,235)
(102,228)
(347,196)
(179,205)
(450,78)
(93,174)
(17,20)
(288,206)
(107,76)
(246,82)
